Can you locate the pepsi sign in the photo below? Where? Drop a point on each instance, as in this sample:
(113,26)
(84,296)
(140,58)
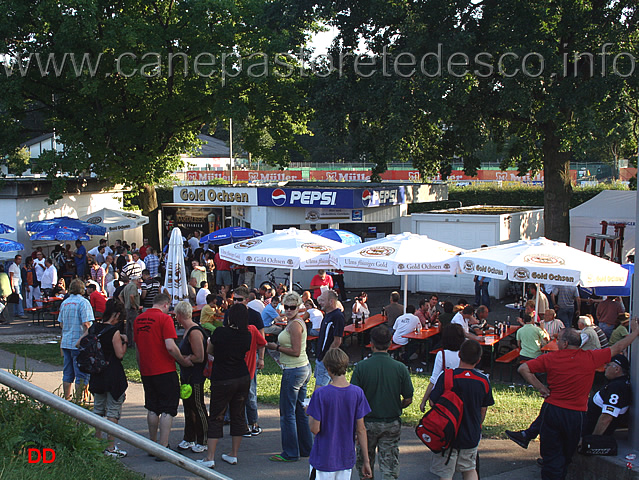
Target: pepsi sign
(379,197)
(289,197)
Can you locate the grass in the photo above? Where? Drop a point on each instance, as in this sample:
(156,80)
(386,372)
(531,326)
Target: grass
(26,424)
(514,409)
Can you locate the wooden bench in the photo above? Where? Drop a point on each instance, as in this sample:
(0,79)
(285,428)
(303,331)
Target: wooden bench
(35,313)
(511,358)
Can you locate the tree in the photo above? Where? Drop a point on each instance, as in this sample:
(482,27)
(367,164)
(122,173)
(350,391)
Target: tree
(128,85)
(527,83)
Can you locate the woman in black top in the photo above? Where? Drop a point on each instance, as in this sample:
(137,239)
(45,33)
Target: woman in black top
(193,346)
(108,387)
(230,382)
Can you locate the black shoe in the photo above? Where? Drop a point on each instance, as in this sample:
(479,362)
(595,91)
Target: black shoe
(540,462)
(519,438)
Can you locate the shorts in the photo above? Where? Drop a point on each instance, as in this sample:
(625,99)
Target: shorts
(70,370)
(106,406)
(463,460)
(162,393)
(339,475)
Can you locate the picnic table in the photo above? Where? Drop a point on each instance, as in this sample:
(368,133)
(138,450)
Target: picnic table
(366,325)
(493,339)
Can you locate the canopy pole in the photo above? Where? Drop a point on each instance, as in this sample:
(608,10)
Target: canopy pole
(290,281)
(537,302)
(405,292)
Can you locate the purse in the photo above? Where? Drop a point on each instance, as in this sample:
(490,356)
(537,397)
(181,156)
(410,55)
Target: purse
(13,298)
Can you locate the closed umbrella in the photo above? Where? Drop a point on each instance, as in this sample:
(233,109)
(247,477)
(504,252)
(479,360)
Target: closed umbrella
(175,281)
(290,248)
(343,236)
(115,220)
(227,235)
(402,254)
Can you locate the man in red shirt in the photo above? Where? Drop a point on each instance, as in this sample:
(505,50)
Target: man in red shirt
(97,299)
(570,373)
(157,352)
(607,313)
(320,280)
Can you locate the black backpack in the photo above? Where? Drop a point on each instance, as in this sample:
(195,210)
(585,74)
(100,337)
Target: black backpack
(91,358)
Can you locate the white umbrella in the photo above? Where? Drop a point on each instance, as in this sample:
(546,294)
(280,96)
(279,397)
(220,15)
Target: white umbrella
(290,248)
(175,281)
(543,261)
(116,220)
(402,254)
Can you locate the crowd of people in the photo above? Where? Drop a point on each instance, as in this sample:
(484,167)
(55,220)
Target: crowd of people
(345,425)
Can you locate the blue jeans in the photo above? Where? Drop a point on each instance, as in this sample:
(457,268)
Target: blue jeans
(297,439)
(566,315)
(18,309)
(322,377)
(70,370)
(251,402)
(607,329)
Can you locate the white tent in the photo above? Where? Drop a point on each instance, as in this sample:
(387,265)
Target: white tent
(611,206)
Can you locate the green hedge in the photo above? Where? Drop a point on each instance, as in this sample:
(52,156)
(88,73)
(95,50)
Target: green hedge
(510,195)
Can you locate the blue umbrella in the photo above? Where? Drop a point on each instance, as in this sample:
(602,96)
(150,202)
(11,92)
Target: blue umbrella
(343,236)
(66,222)
(227,235)
(61,234)
(6,229)
(10,245)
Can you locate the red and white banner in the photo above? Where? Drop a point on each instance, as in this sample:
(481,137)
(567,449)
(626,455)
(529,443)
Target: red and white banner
(365,175)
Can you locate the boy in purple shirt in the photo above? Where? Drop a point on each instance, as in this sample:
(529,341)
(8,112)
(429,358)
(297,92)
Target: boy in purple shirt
(336,415)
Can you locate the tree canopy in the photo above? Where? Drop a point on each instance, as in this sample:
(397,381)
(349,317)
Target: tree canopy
(532,84)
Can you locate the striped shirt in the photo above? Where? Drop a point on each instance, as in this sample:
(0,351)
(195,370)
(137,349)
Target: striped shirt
(152,264)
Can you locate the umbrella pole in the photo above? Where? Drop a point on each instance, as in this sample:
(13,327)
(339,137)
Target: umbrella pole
(290,280)
(537,301)
(405,292)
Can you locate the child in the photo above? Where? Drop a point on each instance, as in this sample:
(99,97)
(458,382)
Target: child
(336,415)
(474,390)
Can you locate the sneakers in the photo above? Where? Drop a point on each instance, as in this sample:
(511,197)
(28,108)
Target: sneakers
(197,448)
(255,430)
(229,459)
(519,438)
(207,463)
(115,453)
(280,458)
(184,445)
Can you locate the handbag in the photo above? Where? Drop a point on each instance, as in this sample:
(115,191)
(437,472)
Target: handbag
(13,298)
(598,445)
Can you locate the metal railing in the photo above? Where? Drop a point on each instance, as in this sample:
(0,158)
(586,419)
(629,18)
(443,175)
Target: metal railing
(111,428)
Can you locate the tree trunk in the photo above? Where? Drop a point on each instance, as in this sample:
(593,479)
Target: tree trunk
(557,187)
(149,205)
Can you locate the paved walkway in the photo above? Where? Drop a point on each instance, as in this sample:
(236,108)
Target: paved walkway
(500,459)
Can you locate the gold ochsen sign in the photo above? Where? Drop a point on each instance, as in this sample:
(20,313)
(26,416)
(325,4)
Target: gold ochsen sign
(222,196)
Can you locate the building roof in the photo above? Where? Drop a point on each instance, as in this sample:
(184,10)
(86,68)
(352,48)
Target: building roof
(212,147)
(38,139)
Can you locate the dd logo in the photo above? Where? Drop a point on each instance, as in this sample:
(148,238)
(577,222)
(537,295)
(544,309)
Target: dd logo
(46,455)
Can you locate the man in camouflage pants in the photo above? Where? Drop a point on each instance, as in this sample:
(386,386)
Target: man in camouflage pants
(388,389)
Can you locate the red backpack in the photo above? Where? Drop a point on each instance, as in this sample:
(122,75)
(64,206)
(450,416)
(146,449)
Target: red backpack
(439,426)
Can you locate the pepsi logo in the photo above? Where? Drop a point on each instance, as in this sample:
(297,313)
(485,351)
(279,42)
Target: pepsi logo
(278,197)
(367,196)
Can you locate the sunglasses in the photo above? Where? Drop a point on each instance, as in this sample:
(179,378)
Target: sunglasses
(290,307)
(238,299)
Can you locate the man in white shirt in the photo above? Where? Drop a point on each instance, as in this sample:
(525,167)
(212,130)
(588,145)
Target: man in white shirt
(49,277)
(202,293)
(39,267)
(255,303)
(15,278)
(405,324)
(139,261)
(464,318)
(194,241)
